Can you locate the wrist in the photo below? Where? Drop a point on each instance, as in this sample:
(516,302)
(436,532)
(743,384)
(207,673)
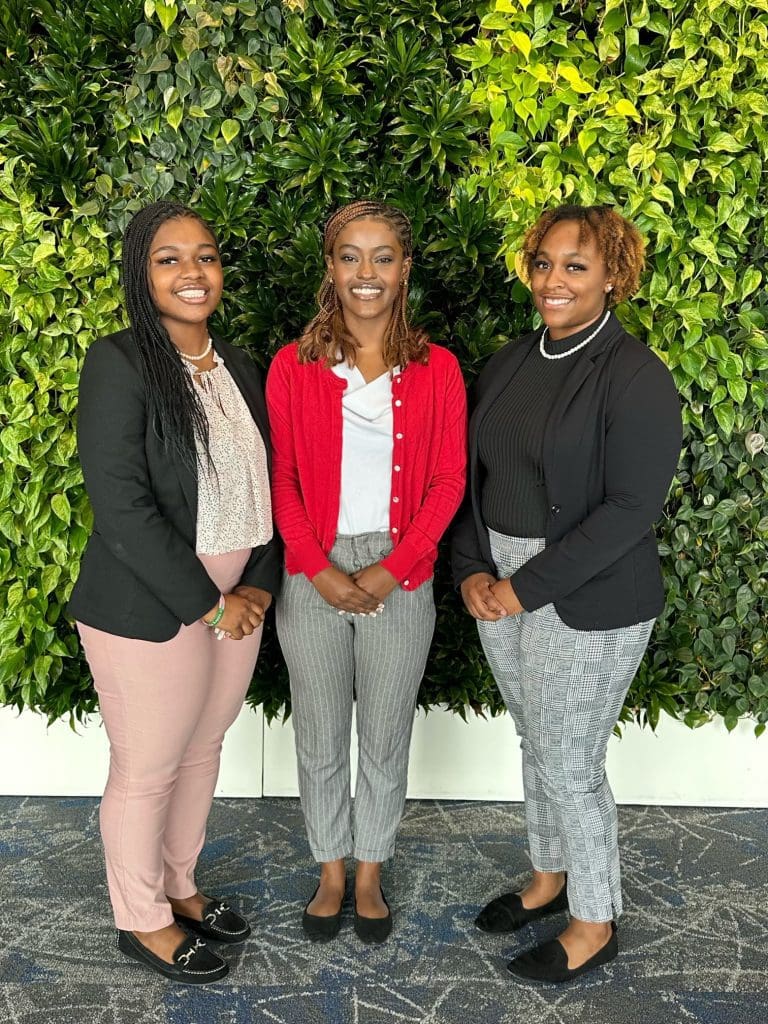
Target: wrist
(218,615)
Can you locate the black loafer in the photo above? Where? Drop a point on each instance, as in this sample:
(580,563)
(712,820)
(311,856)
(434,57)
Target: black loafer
(373,929)
(506,913)
(549,962)
(193,963)
(321,928)
(219,924)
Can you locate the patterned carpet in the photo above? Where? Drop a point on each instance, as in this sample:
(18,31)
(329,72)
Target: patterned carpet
(694,935)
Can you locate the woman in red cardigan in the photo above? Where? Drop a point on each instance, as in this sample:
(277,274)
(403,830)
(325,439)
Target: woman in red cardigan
(368,425)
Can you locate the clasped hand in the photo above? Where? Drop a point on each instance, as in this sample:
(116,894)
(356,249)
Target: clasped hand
(361,593)
(489,599)
(244,611)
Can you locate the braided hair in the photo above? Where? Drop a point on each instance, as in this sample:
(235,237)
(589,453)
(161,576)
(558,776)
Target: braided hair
(178,415)
(616,239)
(326,337)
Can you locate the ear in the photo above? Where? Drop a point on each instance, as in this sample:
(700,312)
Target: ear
(609,287)
(329,265)
(407,264)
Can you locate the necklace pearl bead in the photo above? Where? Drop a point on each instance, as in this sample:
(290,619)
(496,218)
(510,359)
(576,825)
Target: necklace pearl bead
(562,355)
(203,354)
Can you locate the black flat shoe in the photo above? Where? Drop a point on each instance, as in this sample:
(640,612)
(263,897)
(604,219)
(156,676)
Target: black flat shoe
(506,913)
(193,963)
(549,962)
(321,928)
(219,924)
(373,929)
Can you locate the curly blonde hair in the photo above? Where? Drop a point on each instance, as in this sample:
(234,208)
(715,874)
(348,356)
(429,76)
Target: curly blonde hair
(617,240)
(326,338)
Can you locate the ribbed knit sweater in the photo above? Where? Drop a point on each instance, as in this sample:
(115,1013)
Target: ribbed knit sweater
(509,439)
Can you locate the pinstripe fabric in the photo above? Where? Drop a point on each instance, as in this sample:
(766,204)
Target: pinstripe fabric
(564,689)
(382,659)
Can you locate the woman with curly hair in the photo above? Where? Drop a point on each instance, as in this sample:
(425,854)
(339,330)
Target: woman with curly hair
(368,424)
(574,440)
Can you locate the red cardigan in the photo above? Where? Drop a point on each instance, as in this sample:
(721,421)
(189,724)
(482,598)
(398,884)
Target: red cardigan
(428,461)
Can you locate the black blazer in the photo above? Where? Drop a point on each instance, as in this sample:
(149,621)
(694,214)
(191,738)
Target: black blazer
(140,576)
(610,449)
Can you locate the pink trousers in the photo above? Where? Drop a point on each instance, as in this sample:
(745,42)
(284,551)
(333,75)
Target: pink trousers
(166,707)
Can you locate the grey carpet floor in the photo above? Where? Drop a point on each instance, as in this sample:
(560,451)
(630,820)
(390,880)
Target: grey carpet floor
(694,936)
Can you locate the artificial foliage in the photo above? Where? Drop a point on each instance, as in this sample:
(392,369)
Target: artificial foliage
(266,116)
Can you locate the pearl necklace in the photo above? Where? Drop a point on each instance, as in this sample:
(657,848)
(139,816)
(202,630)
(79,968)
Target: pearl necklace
(203,354)
(562,355)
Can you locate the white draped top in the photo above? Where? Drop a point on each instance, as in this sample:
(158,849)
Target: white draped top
(366,452)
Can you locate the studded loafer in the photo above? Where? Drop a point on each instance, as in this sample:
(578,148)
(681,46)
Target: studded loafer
(193,963)
(219,924)
(506,913)
(549,962)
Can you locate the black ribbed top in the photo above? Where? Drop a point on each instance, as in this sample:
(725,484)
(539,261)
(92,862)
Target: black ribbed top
(510,437)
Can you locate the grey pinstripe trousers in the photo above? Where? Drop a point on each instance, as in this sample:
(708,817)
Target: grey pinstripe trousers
(564,689)
(381,661)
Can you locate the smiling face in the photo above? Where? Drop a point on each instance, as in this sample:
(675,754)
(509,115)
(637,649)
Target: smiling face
(184,273)
(569,280)
(367,266)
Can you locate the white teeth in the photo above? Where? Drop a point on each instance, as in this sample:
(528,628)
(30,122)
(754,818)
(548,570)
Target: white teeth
(556,302)
(192,293)
(366,291)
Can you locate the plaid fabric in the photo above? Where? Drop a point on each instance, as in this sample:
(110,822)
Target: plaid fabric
(565,689)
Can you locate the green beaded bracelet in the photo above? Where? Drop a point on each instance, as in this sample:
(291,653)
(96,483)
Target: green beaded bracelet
(218,616)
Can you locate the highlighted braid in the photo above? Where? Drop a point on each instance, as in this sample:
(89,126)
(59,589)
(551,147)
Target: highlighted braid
(617,240)
(326,338)
(178,415)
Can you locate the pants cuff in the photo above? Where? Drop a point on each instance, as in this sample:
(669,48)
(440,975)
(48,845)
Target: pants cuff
(337,853)
(374,856)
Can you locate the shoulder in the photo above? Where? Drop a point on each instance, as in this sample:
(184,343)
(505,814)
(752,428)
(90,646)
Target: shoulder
(113,355)
(286,358)
(634,359)
(441,361)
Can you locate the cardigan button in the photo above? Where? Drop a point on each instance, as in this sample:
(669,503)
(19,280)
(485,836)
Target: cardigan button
(394,529)
(395,499)
(398,403)
(399,437)
(396,469)
(406,583)
(555,509)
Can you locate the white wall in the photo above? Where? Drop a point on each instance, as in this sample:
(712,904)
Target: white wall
(477,760)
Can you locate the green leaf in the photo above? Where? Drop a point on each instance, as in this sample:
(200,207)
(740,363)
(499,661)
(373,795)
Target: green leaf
(230,129)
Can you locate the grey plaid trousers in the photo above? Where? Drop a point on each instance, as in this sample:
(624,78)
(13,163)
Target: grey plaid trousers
(565,688)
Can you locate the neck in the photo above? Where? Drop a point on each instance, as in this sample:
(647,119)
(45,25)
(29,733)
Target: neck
(558,333)
(190,339)
(368,334)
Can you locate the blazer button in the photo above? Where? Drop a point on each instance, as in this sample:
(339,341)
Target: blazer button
(555,509)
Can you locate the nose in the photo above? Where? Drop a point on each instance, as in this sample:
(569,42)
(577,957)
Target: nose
(553,277)
(366,270)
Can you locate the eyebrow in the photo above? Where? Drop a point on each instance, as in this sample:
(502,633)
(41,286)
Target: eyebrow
(175,248)
(376,248)
(568,255)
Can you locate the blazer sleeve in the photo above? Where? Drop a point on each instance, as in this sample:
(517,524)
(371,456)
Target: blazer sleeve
(111,429)
(445,489)
(287,501)
(642,448)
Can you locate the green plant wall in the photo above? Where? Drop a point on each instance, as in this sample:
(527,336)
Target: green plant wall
(473,117)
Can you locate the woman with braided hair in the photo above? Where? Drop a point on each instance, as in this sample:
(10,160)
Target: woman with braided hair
(368,425)
(574,439)
(175,581)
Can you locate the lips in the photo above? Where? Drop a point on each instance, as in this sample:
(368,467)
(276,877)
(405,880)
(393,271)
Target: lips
(366,292)
(194,296)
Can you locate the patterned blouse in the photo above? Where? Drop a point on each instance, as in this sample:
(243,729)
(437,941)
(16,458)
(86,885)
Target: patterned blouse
(234,508)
